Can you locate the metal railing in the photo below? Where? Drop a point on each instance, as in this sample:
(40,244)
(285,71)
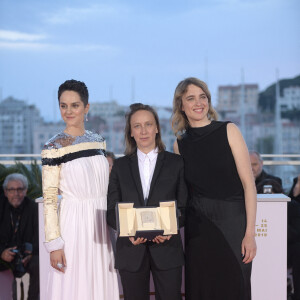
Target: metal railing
(269,159)
(11,159)
(281,159)
(285,166)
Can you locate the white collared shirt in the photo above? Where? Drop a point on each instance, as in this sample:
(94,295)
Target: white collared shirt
(146,167)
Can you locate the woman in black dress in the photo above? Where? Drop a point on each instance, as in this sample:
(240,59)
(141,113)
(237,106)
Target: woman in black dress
(220,219)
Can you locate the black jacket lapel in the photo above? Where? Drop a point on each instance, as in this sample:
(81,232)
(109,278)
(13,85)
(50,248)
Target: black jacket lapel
(136,177)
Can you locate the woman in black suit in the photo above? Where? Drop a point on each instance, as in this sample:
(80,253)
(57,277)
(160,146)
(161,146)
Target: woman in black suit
(146,175)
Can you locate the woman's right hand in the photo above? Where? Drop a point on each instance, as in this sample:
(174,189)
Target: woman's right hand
(137,241)
(58,257)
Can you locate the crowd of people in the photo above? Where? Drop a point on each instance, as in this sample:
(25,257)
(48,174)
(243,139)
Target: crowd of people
(211,175)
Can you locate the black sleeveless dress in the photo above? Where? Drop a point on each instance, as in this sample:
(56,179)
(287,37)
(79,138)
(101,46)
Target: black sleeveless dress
(215,218)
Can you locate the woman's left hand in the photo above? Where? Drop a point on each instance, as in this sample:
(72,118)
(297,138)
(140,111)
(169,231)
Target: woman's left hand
(248,248)
(161,239)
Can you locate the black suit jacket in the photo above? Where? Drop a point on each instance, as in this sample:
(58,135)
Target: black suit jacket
(167,184)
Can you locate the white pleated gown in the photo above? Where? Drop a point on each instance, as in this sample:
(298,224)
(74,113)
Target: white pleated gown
(90,273)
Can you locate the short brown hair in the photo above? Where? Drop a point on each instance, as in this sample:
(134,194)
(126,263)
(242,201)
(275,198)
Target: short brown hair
(179,119)
(130,142)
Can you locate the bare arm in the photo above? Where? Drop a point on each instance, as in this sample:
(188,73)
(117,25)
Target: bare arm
(242,161)
(175,147)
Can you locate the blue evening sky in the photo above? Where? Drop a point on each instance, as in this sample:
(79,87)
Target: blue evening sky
(150,45)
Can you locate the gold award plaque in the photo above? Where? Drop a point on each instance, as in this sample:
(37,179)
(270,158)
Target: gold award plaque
(147,218)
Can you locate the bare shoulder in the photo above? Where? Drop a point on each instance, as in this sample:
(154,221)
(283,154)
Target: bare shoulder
(232,129)
(234,134)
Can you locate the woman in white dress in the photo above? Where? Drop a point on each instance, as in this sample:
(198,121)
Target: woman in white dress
(77,239)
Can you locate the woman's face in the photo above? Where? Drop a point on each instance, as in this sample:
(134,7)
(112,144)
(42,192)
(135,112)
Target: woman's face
(195,105)
(72,109)
(144,130)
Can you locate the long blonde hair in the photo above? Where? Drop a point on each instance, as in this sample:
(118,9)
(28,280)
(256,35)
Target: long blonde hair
(179,119)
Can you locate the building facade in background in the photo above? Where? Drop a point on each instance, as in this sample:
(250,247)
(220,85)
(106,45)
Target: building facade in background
(18,121)
(44,132)
(260,130)
(229,99)
(24,131)
(290,99)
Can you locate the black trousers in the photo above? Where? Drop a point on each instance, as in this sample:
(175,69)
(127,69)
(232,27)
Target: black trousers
(34,280)
(167,283)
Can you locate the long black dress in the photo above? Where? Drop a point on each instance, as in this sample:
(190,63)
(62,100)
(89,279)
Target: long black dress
(216,217)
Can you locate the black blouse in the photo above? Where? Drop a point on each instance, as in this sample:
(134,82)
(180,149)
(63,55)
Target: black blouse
(210,169)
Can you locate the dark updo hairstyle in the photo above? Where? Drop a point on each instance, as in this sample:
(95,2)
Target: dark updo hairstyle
(76,86)
(130,142)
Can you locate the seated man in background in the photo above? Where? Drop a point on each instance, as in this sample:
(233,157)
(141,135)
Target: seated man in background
(257,168)
(19,244)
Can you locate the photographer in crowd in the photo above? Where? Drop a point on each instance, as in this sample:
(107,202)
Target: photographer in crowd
(19,232)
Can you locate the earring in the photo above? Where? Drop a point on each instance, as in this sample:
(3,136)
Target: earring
(86,117)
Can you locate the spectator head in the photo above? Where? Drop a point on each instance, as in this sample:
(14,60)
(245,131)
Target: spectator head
(256,163)
(130,141)
(276,187)
(111,159)
(15,188)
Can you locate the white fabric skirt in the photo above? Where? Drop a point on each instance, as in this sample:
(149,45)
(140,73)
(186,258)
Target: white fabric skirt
(90,272)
